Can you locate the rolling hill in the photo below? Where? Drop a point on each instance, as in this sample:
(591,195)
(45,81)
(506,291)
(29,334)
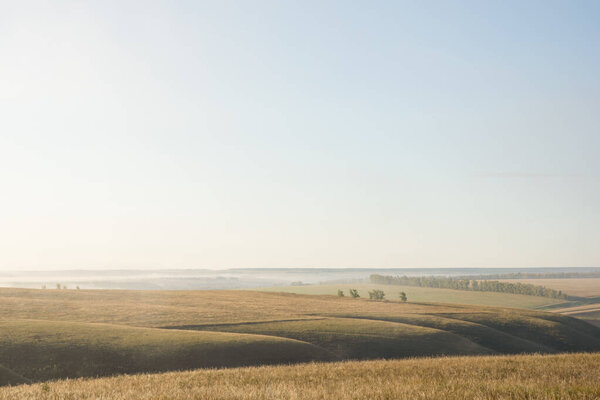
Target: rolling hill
(43,350)
(50,334)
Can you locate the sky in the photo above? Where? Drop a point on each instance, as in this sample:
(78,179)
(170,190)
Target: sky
(216,134)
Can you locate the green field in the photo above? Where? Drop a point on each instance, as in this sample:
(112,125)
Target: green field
(434,295)
(534,377)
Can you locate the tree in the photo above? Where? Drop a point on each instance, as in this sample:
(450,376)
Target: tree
(376,294)
(403,296)
(354,293)
(340,293)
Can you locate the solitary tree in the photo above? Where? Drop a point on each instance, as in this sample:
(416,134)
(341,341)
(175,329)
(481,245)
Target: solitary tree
(354,293)
(403,296)
(340,293)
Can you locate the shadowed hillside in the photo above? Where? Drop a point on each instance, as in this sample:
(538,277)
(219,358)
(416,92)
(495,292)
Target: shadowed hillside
(10,378)
(43,350)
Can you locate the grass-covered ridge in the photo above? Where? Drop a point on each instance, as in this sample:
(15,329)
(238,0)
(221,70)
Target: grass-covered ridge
(43,350)
(536,377)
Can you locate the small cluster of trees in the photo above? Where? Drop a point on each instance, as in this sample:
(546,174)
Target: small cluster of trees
(59,286)
(353,293)
(374,294)
(466,284)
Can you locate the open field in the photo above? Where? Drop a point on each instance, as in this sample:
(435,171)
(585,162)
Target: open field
(579,287)
(570,376)
(51,334)
(434,295)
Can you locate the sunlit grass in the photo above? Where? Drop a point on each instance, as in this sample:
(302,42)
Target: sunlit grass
(573,376)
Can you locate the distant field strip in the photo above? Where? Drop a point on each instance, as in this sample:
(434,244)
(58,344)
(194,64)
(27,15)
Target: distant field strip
(534,377)
(424,294)
(578,309)
(590,312)
(580,287)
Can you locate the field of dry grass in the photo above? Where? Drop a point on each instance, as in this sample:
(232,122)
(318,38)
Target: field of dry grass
(176,308)
(52,334)
(556,377)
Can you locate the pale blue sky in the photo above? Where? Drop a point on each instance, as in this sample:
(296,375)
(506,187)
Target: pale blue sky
(299,134)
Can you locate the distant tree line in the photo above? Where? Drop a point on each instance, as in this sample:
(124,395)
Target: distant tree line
(468,284)
(535,275)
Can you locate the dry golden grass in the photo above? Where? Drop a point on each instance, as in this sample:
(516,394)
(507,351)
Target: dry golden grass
(574,376)
(344,328)
(176,308)
(164,308)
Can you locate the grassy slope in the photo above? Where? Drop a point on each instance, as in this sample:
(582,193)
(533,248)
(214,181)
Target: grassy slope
(10,378)
(364,339)
(422,294)
(348,328)
(44,350)
(573,376)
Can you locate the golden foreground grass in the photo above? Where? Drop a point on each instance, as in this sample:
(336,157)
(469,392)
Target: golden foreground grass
(566,376)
